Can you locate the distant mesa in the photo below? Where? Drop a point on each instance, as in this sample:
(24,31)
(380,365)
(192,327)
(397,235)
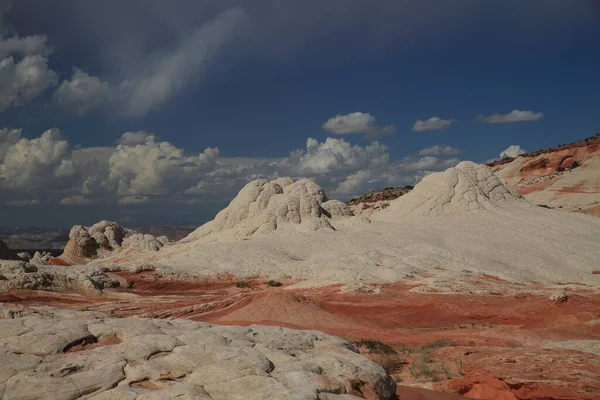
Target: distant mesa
(264,206)
(102,240)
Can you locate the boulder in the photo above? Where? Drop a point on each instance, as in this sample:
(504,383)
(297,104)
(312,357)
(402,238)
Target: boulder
(17,275)
(100,241)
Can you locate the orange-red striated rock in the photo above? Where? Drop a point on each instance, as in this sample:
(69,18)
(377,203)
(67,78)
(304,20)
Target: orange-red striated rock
(566,177)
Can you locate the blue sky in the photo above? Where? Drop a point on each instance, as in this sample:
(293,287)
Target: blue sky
(256,79)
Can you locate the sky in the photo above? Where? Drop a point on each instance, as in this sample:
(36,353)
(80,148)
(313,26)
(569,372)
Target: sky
(153,112)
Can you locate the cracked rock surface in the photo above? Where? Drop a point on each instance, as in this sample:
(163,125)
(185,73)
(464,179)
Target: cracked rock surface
(15,275)
(465,188)
(264,206)
(78,355)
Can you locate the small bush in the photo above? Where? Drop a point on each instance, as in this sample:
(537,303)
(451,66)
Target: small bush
(438,343)
(421,369)
(405,349)
(459,366)
(376,346)
(274,283)
(242,284)
(389,362)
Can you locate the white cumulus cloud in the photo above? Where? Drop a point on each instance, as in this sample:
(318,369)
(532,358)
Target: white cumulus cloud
(36,163)
(145,170)
(439,150)
(23,80)
(28,45)
(432,124)
(512,151)
(357,123)
(513,116)
(430,163)
(156,169)
(134,138)
(24,72)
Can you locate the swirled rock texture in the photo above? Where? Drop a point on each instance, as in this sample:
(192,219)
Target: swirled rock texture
(17,275)
(465,188)
(72,355)
(100,241)
(264,206)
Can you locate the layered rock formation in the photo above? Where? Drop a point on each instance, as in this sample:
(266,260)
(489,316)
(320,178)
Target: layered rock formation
(100,241)
(566,177)
(467,187)
(72,355)
(265,206)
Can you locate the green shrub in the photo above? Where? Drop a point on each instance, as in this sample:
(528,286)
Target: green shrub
(242,284)
(376,346)
(389,362)
(274,283)
(438,343)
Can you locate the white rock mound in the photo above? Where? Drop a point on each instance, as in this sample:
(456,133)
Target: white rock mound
(145,242)
(101,240)
(465,188)
(264,206)
(176,359)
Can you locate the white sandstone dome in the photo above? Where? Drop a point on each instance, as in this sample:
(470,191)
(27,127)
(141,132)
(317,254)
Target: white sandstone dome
(465,188)
(264,206)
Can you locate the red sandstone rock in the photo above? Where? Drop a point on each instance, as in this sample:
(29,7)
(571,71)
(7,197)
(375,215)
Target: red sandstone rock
(566,177)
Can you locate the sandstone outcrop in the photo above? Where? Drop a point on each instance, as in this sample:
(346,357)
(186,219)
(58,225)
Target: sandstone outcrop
(565,177)
(100,241)
(73,355)
(17,275)
(468,187)
(376,200)
(264,206)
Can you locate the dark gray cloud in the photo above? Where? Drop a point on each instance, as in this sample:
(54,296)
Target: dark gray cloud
(129,30)
(133,56)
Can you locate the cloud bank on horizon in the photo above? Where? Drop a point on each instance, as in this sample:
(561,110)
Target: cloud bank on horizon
(141,169)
